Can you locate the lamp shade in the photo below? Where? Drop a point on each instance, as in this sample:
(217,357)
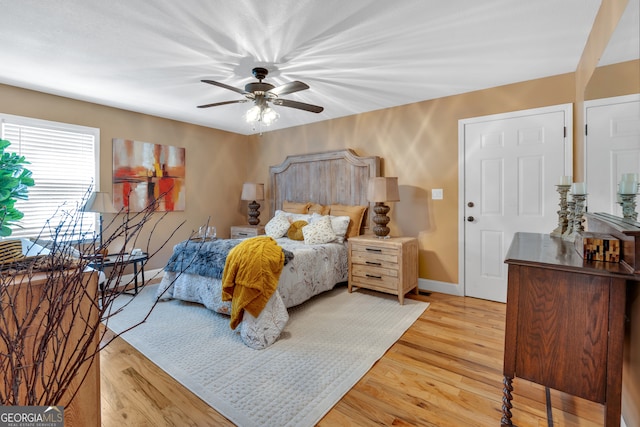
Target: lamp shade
(99,202)
(252,191)
(383,189)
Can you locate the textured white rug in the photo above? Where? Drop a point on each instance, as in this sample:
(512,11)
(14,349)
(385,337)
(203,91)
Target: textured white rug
(329,343)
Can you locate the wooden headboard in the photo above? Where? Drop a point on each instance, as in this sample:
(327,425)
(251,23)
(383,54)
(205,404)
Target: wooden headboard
(331,177)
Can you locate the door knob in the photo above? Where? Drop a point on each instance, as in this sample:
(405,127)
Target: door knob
(470,218)
(470,204)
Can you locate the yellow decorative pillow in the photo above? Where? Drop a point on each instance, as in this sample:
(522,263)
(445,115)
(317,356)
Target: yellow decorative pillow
(295,230)
(319,209)
(294,207)
(355,213)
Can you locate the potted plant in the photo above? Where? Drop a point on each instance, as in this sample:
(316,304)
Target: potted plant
(15,181)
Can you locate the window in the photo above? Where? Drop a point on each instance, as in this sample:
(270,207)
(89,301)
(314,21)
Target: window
(65,165)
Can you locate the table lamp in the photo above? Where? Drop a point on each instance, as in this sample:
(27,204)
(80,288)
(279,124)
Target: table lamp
(252,192)
(99,202)
(381,190)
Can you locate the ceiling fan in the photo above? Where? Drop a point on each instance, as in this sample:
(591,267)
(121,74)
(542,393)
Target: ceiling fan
(263,93)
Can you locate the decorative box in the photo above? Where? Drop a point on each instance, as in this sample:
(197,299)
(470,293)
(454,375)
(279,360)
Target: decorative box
(598,247)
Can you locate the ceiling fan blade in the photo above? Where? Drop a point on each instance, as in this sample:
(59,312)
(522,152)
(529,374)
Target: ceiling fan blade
(288,88)
(235,89)
(215,104)
(298,105)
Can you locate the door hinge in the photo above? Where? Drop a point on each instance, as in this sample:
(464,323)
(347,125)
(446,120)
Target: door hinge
(565,131)
(586,129)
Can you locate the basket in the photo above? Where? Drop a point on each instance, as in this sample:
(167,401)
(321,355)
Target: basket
(11,251)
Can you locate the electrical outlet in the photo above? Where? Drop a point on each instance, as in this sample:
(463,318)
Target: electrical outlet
(437,194)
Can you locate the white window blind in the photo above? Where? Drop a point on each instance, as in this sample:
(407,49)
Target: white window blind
(64,162)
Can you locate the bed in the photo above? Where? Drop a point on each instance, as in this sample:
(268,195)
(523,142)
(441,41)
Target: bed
(318,189)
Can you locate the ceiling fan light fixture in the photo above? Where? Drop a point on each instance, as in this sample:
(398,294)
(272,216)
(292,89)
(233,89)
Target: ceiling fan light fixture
(253,114)
(261,94)
(261,114)
(269,115)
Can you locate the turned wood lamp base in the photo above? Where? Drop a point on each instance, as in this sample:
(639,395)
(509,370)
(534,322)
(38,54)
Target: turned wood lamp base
(381,220)
(254,213)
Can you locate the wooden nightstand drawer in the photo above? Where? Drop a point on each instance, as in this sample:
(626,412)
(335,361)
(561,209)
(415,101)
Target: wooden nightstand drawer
(386,265)
(372,256)
(366,276)
(244,231)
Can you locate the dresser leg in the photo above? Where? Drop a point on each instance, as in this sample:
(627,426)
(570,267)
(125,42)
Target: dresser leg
(506,402)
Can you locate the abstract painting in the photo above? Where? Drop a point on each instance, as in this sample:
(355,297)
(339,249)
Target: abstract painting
(146,173)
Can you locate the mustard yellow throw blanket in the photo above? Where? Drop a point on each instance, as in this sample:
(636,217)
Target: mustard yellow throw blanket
(251,275)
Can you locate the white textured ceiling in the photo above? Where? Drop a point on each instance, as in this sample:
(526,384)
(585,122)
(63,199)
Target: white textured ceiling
(356,55)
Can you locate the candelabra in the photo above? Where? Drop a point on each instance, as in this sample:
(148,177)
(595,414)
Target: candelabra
(571,214)
(628,203)
(579,201)
(563,213)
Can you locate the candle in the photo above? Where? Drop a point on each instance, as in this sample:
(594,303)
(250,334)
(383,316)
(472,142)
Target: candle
(565,180)
(628,187)
(629,177)
(578,188)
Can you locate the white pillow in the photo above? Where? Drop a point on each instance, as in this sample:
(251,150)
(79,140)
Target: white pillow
(318,232)
(277,226)
(293,217)
(340,225)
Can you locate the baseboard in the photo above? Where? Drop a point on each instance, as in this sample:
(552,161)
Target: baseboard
(150,276)
(427,285)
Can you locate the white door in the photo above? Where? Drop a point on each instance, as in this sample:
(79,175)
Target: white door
(612,148)
(512,164)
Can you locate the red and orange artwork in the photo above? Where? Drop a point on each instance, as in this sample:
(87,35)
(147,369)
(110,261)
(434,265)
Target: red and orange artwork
(146,173)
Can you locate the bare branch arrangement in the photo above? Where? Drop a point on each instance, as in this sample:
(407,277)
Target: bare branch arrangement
(51,310)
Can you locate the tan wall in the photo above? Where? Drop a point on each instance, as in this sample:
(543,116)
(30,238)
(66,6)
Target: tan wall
(614,80)
(216,165)
(418,143)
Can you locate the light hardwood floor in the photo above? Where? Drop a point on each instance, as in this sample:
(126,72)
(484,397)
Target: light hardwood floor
(446,370)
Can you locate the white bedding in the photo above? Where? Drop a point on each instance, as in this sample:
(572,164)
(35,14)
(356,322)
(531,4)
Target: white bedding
(314,269)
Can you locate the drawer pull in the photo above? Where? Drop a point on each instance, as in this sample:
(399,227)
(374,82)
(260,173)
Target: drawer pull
(373,263)
(373,250)
(243,234)
(371,276)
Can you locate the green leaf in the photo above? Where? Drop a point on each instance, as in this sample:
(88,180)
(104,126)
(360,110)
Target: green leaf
(15,181)
(5,231)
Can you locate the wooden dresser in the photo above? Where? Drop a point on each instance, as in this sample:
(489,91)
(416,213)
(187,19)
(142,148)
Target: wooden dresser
(565,321)
(84,409)
(385,265)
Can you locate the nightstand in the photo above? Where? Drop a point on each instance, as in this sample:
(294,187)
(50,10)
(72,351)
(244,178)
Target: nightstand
(243,231)
(385,265)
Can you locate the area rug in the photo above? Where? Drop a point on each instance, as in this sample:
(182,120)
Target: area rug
(329,343)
